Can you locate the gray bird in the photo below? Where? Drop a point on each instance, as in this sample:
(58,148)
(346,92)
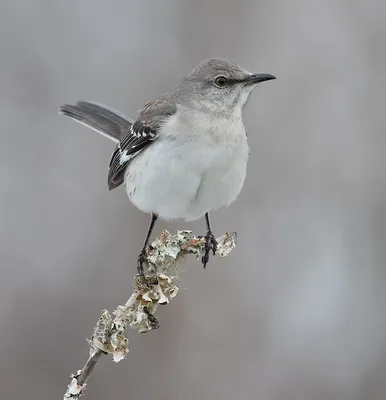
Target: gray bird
(186,154)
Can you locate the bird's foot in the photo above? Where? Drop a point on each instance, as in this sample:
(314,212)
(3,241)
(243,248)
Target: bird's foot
(210,244)
(142,258)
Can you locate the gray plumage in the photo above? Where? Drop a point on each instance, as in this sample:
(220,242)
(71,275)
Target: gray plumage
(187,152)
(105,120)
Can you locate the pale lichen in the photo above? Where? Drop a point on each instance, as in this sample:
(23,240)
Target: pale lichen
(165,256)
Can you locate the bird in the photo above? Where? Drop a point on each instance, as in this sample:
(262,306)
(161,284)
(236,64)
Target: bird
(186,153)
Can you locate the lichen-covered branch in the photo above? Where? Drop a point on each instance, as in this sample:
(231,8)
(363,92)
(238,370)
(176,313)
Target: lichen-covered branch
(165,257)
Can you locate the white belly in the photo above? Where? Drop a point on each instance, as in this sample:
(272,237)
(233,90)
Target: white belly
(177,179)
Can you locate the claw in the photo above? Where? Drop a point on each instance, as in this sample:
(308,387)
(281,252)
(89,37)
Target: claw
(142,258)
(210,244)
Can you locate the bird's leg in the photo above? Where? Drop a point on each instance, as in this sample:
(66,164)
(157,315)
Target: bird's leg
(142,258)
(210,242)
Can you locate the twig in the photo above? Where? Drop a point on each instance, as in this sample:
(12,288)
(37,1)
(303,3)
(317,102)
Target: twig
(165,256)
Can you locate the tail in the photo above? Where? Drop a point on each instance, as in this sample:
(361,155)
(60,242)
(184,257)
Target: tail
(102,119)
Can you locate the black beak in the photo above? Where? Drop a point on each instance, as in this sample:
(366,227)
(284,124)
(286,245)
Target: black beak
(257,78)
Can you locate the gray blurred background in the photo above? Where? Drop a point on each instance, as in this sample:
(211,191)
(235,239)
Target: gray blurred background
(297,311)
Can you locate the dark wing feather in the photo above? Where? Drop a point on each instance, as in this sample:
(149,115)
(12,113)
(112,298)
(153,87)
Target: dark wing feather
(136,139)
(141,134)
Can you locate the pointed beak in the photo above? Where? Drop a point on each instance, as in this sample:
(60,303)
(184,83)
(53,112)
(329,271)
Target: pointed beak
(257,78)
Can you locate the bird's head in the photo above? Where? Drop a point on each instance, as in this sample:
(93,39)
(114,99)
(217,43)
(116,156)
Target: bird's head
(221,85)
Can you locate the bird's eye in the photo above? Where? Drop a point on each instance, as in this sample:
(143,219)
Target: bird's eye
(221,81)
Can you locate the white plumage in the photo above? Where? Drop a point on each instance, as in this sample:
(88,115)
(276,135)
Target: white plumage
(195,166)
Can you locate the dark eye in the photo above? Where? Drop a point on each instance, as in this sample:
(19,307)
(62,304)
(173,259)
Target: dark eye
(221,81)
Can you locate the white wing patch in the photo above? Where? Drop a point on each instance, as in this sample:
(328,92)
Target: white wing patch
(141,134)
(125,155)
(134,133)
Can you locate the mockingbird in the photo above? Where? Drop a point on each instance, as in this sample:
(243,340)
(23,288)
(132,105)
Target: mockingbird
(186,154)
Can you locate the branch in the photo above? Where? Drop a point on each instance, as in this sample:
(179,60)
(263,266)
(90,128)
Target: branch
(165,257)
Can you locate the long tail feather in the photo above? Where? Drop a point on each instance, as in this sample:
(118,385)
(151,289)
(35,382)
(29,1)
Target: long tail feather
(98,117)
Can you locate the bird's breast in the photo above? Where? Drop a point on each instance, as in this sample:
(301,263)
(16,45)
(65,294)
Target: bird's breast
(191,169)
